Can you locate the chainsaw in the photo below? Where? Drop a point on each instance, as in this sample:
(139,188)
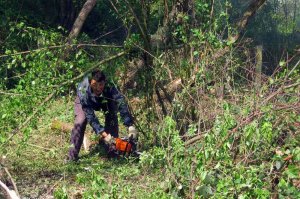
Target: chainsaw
(125,147)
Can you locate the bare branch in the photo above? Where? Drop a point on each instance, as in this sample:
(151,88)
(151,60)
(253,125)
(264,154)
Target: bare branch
(62,46)
(12,181)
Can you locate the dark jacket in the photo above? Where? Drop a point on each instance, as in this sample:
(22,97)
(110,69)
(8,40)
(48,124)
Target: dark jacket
(110,101)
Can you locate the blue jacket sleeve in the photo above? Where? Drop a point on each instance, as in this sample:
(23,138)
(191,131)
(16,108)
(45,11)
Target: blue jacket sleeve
(122,107)
(92,119)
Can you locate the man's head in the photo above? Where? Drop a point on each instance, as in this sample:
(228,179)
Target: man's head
(97,82)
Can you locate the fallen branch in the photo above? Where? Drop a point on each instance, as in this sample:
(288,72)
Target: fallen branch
(11,193)
(274,94)
(40,147)
(244,122)
(12,181)
(193,140)
(256,113)
(11,94)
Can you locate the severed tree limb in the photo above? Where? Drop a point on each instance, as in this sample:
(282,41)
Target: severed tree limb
(250,117)
(255,113)
(40,147)
(8,93)
(274,94)
(193,140)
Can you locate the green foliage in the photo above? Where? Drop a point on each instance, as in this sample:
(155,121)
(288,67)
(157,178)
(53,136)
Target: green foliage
(33,68)
(61,193)
(209,169)
(244,141)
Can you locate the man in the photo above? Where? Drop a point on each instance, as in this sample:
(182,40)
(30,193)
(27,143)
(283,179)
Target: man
(95,94)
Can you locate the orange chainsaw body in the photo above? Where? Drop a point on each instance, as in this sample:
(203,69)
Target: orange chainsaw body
(123,146)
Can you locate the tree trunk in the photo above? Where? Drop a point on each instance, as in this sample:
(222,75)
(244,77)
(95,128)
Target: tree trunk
(83,14)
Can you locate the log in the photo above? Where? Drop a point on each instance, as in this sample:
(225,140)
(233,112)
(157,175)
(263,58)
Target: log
(62,126)
(67,128)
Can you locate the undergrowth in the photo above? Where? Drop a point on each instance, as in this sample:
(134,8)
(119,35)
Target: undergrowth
(255,160)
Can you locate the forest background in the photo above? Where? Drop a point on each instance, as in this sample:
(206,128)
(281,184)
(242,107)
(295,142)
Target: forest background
(213,86)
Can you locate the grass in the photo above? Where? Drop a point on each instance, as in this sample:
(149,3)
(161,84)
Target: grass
(38,167)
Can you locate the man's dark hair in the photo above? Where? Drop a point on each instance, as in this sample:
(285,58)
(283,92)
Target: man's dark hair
(98,75)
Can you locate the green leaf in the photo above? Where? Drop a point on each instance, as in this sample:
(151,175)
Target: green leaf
(292,171)
(281,63)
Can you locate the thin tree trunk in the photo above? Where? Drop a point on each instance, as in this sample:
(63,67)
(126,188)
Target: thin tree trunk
(241,24)
(258,58)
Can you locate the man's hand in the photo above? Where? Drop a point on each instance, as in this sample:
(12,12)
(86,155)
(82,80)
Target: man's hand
(133,133)
(107,138)
(109,141)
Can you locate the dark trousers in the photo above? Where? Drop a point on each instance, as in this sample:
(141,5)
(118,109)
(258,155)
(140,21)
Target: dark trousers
(111,126)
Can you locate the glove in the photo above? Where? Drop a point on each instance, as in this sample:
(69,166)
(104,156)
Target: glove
(109,144)
(133,133)
(109,140)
